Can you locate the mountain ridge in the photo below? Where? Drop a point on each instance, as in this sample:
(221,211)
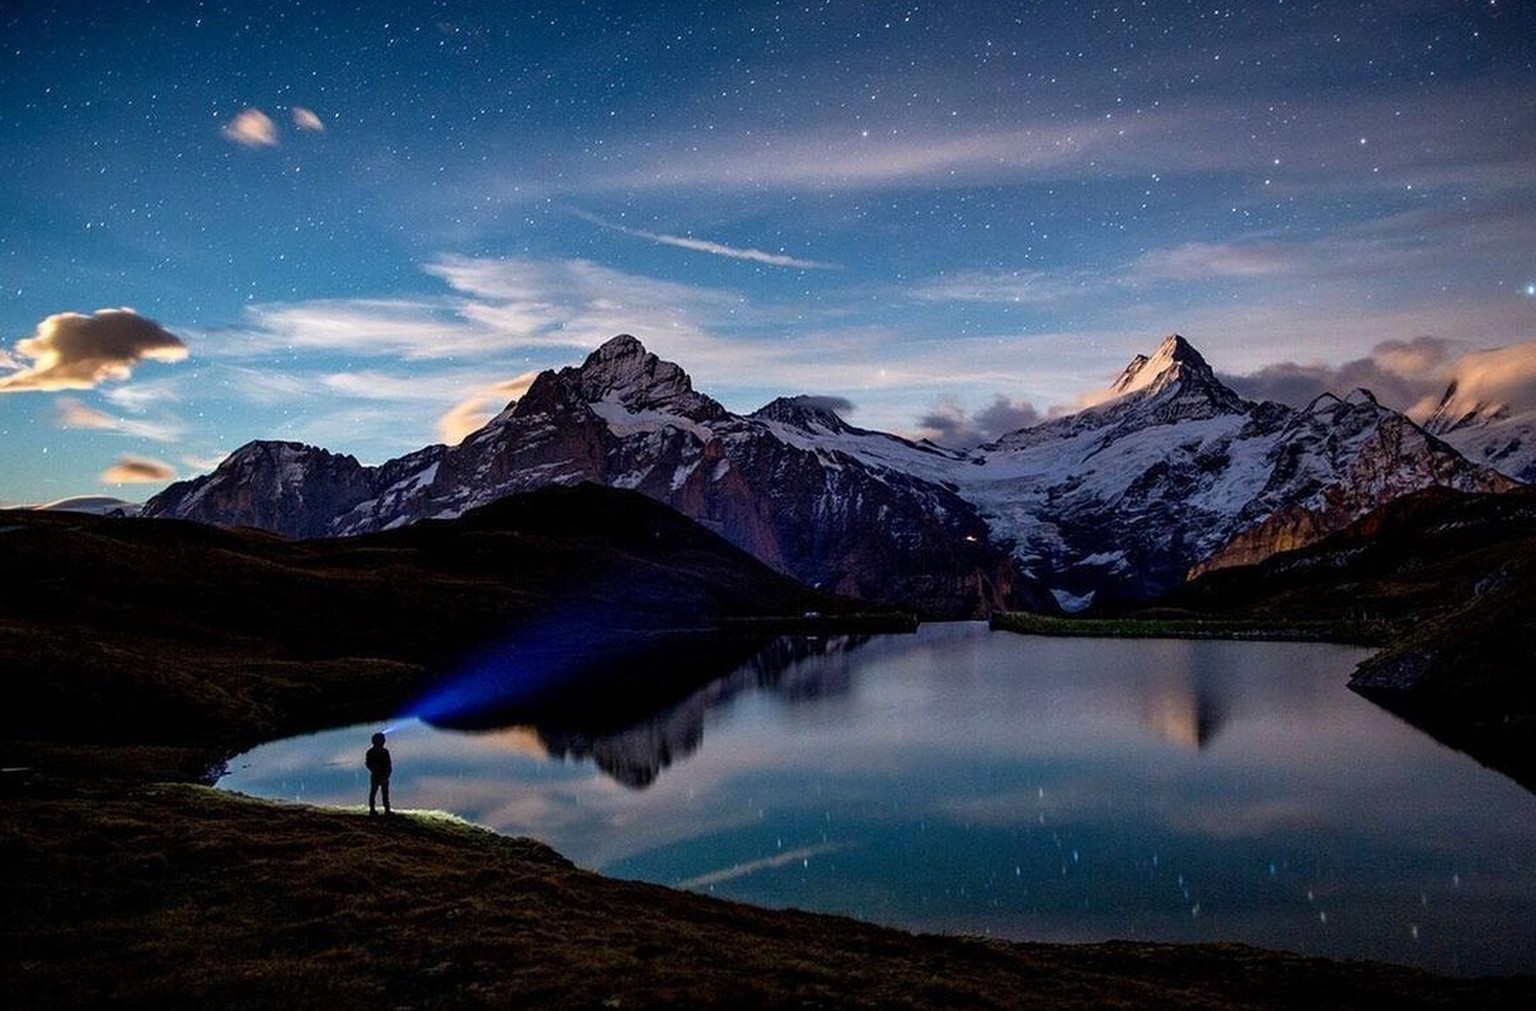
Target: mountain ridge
(1166,471)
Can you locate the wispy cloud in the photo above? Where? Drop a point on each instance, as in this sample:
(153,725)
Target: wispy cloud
(386,328)
(1001,287)
(251,128)
(1311,145)
(141,394)
(839,157)
(204,464)
(472,413)
(706,246)
(71,413)
(1199,261)
(72,351)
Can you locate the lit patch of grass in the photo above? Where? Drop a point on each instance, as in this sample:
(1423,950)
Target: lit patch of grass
(441,817)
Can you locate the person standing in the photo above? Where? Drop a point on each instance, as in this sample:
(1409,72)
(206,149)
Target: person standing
(379,768)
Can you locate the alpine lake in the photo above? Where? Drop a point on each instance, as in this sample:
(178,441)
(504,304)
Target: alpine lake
(1037,789)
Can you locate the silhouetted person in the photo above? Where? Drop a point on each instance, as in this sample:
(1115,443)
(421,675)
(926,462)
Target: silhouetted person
(379,768)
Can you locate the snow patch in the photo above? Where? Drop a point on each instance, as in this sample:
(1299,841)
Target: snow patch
(1071,603)
(624,422)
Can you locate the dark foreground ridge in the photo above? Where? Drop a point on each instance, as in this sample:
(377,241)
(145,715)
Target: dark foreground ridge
(178,635)
(181,896)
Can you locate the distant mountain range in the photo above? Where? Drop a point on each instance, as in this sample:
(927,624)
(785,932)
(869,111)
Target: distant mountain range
(1167,472)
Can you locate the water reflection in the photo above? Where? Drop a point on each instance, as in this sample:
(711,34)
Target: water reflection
(1029,788)
(634,736)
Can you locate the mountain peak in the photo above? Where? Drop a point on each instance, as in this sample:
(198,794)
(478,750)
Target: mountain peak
(1175,378)
(622,371)
(615,349)
(807,412)
(1174,358)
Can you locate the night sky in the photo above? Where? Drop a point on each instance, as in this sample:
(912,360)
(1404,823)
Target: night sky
(357,225)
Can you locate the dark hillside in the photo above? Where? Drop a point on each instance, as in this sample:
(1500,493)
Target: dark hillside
(170,632)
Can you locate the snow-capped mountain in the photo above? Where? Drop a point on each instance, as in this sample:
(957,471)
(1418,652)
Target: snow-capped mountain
(1166,470)
(1480,415)
(780,484)
(1169,469)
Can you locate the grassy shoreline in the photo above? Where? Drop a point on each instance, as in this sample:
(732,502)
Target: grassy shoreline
(1188,626)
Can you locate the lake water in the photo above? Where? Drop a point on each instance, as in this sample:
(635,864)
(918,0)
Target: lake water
(1028,788)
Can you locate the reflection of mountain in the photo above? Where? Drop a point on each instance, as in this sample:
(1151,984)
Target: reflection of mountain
(1184,709)
(636,755)
(1185,713)
(781,666)
(634,751)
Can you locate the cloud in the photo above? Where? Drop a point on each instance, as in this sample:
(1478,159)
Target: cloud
(138,470)
(706,246)
(1502,377)
(387,328)
(835,405)
(471,414)
(306,119)
(836,157)
(251,128)
(1002,287)
(204,464)
(578,304)
(71,413)
(1432,144)
(1399,373)
(1198,261)
(141,395)
(72,351)
(949,424)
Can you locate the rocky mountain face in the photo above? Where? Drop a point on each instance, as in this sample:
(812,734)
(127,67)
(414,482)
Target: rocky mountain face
(285,487)
(1353,456)
(1166,471)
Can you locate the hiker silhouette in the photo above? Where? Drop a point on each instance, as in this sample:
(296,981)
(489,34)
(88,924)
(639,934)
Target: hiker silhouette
(379,768)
